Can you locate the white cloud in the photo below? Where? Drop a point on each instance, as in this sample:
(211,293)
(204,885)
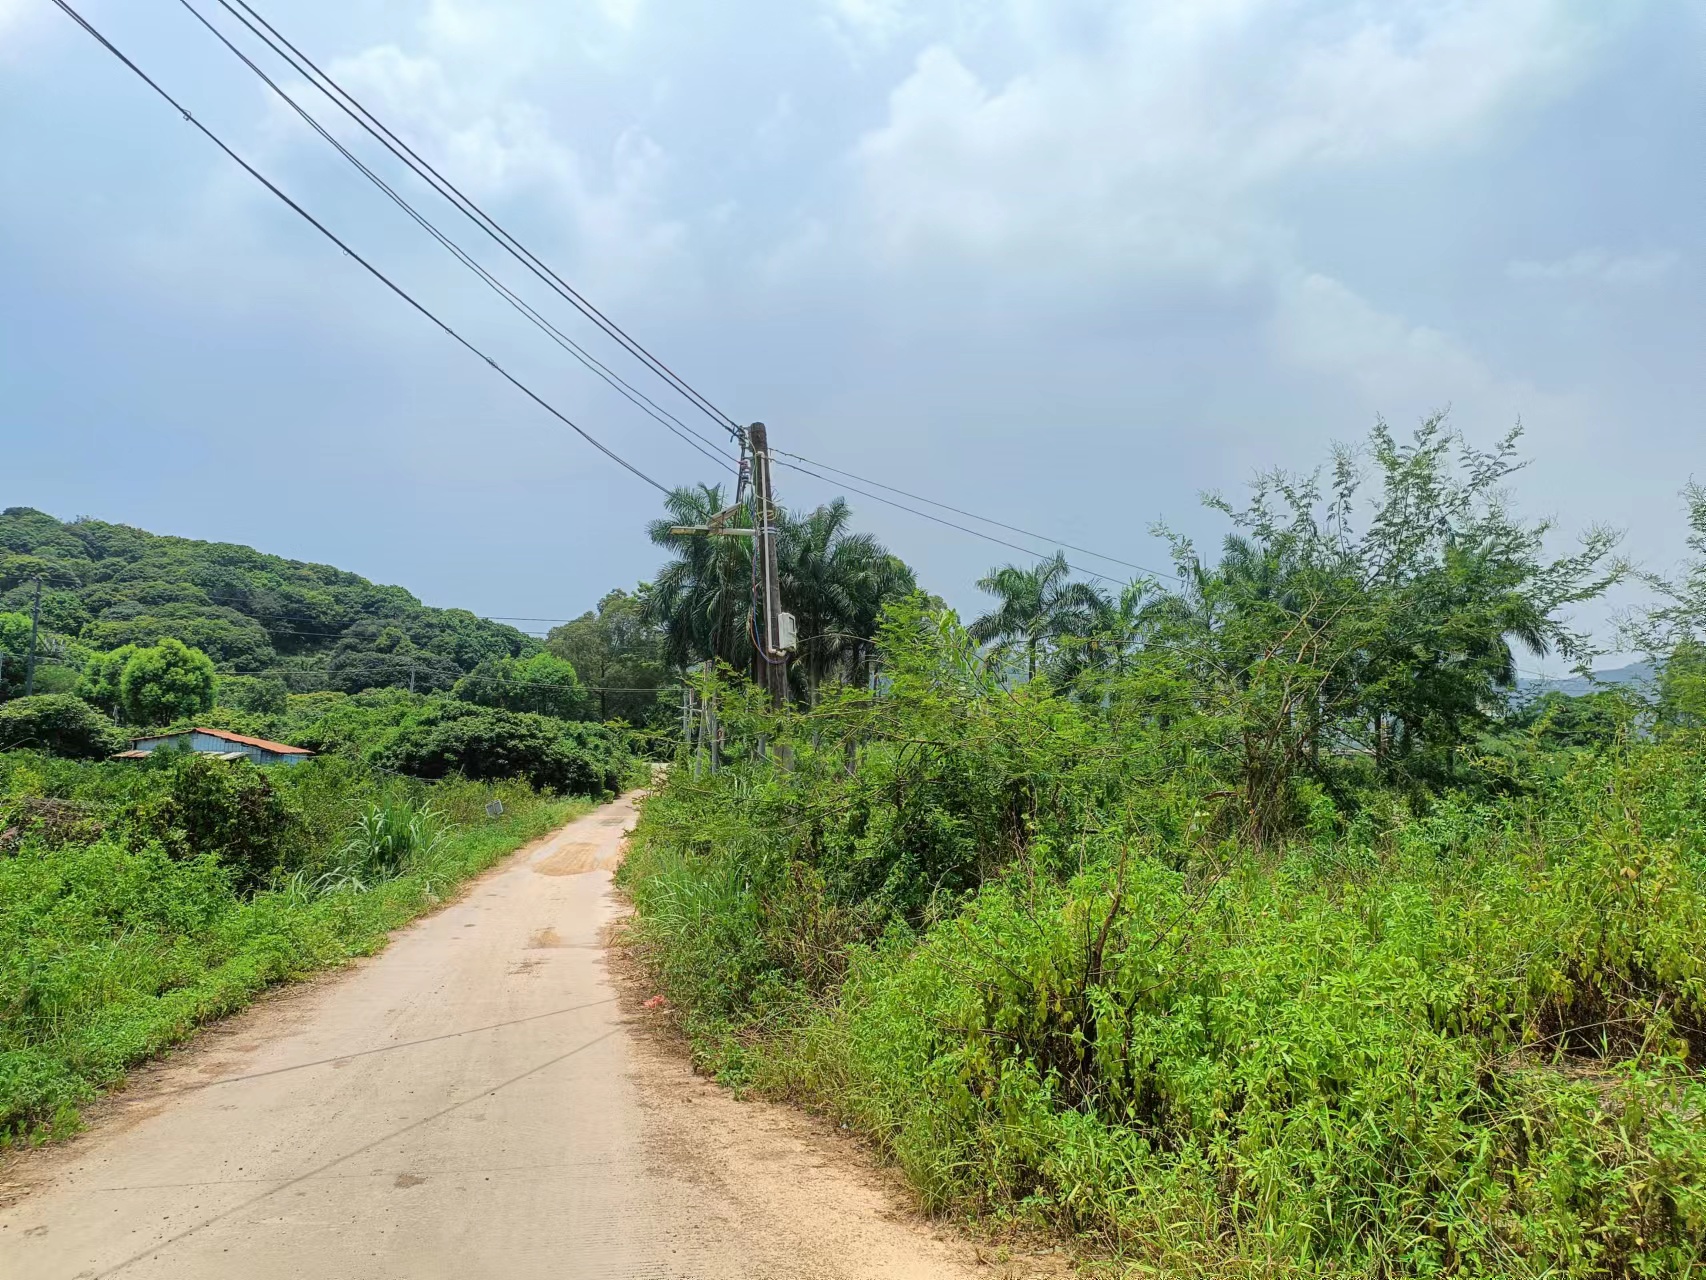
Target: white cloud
(494,145)
(872,21)
(1321,324)
(1599,267)
(1157,139)
(1403,369)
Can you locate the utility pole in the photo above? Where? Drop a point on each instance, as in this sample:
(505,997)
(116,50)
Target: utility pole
(773,659)
(35,625)
(715,748)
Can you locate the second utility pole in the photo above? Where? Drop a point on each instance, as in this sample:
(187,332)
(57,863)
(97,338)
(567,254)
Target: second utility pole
(772,653)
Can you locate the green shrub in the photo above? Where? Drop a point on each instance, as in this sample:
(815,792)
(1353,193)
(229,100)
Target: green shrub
(224,809)
(487,743)
(388,838)
(60,724)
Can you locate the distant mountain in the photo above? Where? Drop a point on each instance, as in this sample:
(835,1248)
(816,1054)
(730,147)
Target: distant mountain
(108,585)
(1575,686)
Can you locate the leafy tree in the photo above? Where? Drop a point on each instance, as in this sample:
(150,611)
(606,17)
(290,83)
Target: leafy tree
(60,724)
(1314,639)
(1682,687)
(223,634)
(619,652)
(261,695)
(1673,631)
(21,570)
(1036,610)
(542,683)
(166,682)
(354,666)
(1583,720)
(102,676)
(14,653)
(58,658)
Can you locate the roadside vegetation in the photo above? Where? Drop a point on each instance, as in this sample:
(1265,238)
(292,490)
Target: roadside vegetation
(1247,922)
(139,900)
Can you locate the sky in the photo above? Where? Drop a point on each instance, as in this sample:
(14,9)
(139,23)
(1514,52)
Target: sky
(1067,263)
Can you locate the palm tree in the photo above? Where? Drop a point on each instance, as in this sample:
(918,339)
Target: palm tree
(702,599)
(1036,608)
(836,584)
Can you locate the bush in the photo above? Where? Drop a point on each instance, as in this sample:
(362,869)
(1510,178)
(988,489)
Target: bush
(388,838)
(60,724)
(225,809)
(484,743)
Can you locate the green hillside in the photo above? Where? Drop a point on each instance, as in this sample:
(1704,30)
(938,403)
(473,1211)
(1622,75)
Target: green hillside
(314,626)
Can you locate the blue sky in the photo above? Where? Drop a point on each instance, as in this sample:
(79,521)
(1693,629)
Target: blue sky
(1067,262)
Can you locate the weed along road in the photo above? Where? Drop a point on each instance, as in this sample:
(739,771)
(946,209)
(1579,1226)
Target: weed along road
(475,1101)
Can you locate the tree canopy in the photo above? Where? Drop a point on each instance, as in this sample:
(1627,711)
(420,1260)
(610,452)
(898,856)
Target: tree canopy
(166,682)
(618,652)
(542,683)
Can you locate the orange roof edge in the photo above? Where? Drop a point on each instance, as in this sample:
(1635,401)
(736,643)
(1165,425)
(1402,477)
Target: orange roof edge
(281,748)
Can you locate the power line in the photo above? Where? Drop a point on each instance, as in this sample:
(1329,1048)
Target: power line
(976,533)
(972,515)
(347,103)
(634,396)
(332,236)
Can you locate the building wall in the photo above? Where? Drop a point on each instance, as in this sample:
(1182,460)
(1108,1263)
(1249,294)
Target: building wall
(208,743)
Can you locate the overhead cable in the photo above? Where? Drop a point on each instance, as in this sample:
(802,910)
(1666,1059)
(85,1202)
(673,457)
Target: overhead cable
(972,515)
(333,237)
(369,122)
(641,401)
(901,506)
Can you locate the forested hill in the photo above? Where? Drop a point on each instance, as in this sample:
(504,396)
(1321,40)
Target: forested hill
(107,585)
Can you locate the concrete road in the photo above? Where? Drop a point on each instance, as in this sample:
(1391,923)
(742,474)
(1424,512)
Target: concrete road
(472,1102)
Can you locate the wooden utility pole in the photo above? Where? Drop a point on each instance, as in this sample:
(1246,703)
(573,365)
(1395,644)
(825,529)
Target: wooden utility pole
(773,659)
(35,625)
